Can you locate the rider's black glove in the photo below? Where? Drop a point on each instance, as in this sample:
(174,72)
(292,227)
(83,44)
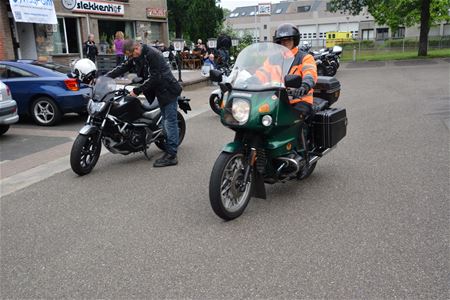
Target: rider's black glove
(301,91)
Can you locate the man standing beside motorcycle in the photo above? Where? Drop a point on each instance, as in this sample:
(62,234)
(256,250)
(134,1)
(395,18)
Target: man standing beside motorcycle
(149,63)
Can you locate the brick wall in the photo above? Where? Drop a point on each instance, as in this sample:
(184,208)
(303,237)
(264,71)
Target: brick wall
(6,45)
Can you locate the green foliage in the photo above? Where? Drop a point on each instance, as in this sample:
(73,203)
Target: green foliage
(395,13)
(195,19)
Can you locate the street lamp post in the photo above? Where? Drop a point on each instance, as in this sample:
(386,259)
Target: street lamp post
(235,43)
(178,45)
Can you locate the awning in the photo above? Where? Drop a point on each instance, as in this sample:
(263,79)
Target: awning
(34,11)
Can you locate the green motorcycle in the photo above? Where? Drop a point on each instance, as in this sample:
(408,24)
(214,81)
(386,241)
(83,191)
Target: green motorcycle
(270,143)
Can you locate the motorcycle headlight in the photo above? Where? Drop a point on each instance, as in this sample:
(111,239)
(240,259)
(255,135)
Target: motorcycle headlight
(240,110)
(95,108)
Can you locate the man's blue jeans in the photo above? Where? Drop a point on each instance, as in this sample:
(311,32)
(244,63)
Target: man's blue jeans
(170,125)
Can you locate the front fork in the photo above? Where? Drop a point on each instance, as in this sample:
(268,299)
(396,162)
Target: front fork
(250,166)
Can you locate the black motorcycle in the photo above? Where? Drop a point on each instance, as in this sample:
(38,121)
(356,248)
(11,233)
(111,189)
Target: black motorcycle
(327,59)
(122,123)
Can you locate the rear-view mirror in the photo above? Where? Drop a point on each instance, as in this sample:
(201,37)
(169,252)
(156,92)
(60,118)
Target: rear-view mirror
(293,81)
(215,75)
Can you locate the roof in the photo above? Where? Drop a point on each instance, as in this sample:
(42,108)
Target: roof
(246,11)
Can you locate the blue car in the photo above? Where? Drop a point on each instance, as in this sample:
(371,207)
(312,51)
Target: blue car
(43,90)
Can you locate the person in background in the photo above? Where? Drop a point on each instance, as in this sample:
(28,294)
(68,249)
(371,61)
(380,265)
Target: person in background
(200,47)
(90,49)
(209,60)
(118,47)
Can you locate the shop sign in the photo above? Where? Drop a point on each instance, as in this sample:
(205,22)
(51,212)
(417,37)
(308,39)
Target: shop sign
(156,12)
(94,7)
(34,11)
(264,9)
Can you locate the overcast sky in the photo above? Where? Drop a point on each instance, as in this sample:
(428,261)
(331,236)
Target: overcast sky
(232,4)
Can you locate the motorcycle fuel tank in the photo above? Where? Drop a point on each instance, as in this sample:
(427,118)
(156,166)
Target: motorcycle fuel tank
(128,109)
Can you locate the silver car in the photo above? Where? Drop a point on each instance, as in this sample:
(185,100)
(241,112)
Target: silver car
(8,109)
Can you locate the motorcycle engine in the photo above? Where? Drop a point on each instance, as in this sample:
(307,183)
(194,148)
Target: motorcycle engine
(140,136)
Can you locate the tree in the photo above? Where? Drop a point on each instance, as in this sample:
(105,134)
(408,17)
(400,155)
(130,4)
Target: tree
(195,18)
(177,15)
(400,12)
(205,19)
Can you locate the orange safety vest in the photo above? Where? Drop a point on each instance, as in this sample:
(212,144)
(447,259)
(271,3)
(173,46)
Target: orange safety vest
(305,66)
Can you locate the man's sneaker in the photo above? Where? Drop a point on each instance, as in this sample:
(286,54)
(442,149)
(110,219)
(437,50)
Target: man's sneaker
(166,160)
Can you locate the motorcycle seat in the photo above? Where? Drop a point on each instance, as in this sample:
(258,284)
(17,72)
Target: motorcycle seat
(319,104)
(150,107)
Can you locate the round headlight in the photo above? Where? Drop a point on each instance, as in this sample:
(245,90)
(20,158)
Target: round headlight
(267,120)
(240,110)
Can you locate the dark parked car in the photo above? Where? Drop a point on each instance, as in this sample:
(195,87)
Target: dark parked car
(43,90)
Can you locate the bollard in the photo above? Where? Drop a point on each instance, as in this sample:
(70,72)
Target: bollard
(354,53)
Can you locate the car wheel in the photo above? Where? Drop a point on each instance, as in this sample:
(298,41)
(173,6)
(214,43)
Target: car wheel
(45,112)
(3,129)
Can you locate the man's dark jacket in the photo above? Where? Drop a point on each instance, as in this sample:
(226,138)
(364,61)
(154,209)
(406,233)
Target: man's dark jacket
(159,80)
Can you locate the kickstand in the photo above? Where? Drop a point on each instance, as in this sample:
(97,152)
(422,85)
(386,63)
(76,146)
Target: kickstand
(146,154)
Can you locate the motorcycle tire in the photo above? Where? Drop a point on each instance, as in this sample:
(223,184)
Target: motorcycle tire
(306,171)
(85,154)
(161,143)
(227,201)
(331,70)
(215,103)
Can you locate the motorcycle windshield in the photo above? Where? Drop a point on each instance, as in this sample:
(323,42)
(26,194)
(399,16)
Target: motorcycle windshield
(261,66)
(103,86)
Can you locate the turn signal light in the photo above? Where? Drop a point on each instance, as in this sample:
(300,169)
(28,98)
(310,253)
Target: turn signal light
(72,84)
(265,108)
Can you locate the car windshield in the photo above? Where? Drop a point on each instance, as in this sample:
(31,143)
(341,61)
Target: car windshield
(104,85)
(52,66)
(261,66)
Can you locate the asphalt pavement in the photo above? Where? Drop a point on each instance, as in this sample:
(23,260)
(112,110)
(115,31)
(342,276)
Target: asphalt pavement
(372,221)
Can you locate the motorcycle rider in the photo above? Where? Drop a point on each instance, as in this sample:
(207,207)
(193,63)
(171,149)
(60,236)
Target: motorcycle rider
(149,63)
(304,65)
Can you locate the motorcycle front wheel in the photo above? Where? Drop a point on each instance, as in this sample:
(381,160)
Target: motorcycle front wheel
(215,103)
(228,193)
(85,153)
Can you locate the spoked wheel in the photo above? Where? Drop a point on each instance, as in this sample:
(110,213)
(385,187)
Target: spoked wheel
(85,153)
(228,193)
(214,102)
(45,112)
(161,143)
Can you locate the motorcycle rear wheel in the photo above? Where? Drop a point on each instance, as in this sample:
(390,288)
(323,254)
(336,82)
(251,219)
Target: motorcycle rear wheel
(161,143)
(214,102)
(228,194)
(85,154)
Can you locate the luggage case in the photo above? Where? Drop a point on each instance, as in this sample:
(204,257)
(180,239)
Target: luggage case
(329,126)
(328,88)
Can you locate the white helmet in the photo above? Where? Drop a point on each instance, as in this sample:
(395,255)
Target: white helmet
(85,70)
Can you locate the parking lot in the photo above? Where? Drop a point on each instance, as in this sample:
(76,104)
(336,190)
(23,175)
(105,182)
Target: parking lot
(372,221)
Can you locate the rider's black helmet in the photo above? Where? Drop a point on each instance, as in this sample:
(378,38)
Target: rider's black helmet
(286,31)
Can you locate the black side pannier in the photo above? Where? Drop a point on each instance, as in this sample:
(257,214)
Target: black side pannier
(328,88)
(330,126)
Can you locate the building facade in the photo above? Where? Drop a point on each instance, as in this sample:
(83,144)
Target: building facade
(145,20)
(314,19)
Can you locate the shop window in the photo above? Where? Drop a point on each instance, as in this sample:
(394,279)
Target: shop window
(61,38)
(107,30)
